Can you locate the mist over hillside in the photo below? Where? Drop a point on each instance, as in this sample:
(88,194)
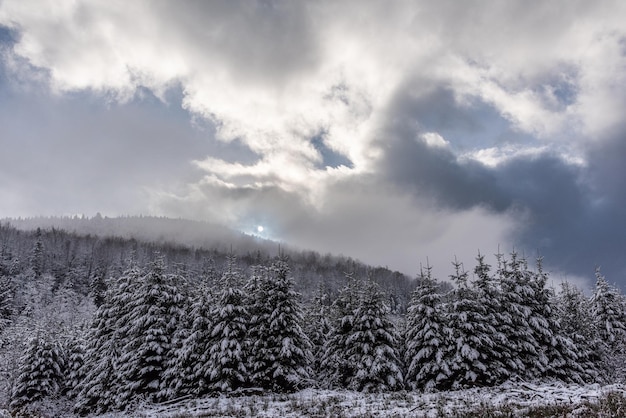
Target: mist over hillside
(155,230)
(194,244)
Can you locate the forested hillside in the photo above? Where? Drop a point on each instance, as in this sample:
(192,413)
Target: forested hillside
(93,324)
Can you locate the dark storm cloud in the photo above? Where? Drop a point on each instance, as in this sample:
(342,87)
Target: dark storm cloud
(571,214)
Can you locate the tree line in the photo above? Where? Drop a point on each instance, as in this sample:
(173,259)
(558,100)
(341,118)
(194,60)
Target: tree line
(155,334)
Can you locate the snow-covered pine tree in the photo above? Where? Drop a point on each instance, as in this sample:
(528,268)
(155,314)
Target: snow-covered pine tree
(104,342)
(489,296)
(558,347)
(178,379)
(280,356)
(428,337)
(317,327)
(371,345)
(188,365)
(472,336)
(520,328)
(337,371)
(37,256)
(575,320)
(229,346)
(6,301)
(152,319)
(75,350)
(40,374)
(607,307)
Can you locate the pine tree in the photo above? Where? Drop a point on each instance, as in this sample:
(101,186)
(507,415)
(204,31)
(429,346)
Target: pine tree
(428,338)
(6,301)
(228,351)
(74,369)
(37,255)
(152,319)
(337,371)
(188,372)
(371,345)
(608,310)
(105,339)
(563,362)
(280,356)
(40,372)
(575,319)
(607,306)
(317,327)
(472,335)
(489,296)
(520,327)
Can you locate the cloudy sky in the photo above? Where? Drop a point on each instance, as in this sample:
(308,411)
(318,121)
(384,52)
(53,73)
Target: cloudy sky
(387,131)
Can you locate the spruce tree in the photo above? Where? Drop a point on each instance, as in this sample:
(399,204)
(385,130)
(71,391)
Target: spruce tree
(607,306)
(280,356)
(188,372)
(428,337)
(40,374)
(371,345)
(75,349)
(337,371)
(152,320)
(318,327)
(563,362)
(105,339)
(520,327)
(472,334)
(489,296)
(575,319)
(6,301)
(229,347)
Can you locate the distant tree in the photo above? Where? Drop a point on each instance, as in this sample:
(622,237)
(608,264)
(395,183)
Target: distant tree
(428,337)
(37,255)
(371,345)
(7,292)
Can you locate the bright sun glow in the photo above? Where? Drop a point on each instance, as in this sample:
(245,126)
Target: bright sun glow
(259,229)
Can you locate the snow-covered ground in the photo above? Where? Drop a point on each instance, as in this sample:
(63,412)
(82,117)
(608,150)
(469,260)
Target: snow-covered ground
(513,399)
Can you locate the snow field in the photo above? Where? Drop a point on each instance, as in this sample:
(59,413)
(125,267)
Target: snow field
(512,399)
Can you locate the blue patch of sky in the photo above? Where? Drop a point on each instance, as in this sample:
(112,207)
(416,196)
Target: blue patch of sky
(330,158)
(8,36)
(471,126)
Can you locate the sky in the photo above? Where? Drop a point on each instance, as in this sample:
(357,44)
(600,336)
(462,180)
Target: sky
(399,133)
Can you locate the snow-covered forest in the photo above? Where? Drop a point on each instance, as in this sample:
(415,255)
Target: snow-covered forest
(91,325)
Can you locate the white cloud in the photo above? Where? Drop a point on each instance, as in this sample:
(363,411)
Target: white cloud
(271,76)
